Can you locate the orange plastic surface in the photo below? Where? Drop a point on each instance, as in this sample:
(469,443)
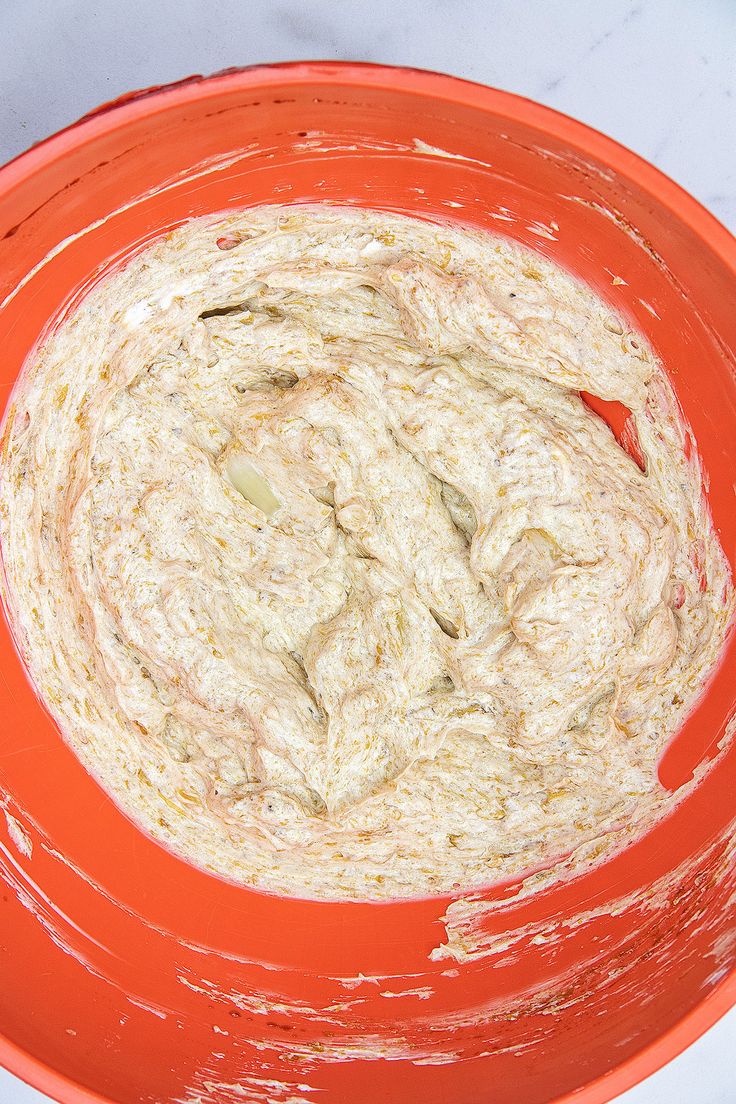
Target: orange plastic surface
(128,975)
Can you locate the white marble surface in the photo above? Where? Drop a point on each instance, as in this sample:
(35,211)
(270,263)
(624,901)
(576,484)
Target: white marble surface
(658,75)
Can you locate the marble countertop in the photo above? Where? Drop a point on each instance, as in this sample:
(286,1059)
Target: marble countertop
(658,75)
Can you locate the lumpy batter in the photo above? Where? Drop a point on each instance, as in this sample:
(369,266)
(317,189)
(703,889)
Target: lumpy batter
(328,573)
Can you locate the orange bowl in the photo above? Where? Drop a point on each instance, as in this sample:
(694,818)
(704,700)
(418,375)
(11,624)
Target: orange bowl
(129,975)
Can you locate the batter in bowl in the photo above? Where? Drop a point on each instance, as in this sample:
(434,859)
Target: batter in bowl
(328,573)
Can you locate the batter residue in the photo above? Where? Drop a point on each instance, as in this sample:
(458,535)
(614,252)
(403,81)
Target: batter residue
(328,573)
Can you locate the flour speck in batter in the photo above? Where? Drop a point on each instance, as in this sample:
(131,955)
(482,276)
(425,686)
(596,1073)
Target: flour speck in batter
(329,574)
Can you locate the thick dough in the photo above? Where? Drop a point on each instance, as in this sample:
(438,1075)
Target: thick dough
(327,571)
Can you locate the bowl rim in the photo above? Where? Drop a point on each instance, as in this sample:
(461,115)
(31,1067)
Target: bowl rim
(138,104)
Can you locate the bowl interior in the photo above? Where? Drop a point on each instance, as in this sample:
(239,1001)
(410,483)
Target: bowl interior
(135,977)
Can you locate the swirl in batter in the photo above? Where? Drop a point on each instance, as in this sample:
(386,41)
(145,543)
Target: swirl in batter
(328,573)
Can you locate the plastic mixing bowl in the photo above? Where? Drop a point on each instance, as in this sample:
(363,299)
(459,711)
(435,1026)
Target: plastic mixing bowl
(128,975)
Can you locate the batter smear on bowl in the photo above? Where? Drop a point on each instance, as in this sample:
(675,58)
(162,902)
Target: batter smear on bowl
(329,574)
